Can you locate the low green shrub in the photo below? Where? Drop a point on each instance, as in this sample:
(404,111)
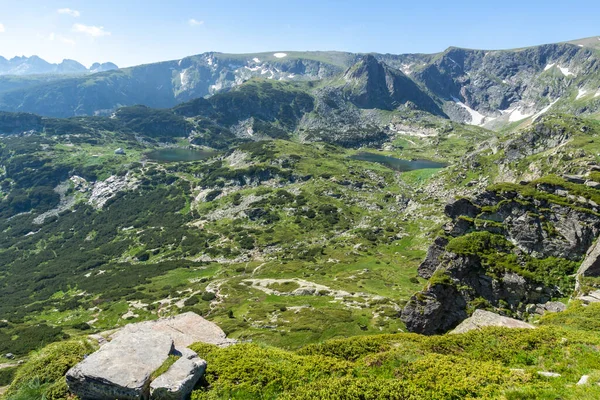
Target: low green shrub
(43,375)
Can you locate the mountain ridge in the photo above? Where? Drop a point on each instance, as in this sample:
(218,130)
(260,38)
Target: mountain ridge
(35,65)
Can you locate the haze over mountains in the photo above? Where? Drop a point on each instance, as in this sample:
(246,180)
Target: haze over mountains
(486,88)
(34,65)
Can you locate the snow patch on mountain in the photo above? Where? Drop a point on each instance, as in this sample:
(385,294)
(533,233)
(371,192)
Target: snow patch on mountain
(476,117)
(545,109)
(518,114)
(565,71)
(582,92)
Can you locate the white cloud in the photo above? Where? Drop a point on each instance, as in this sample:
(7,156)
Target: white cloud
(94,31)
(195,22)
(60,38)
(2,28)
(68,11)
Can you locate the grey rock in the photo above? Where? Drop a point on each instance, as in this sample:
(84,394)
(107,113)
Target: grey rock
(184,329)
(554,306)
(462,207)
(592,184)
(10,356)
(432,259)
(583,380)
(549,307)
(122,368)
(481,319)
(179,380)
(436,310)
(591,264)
(575,178)
(120,151)
(593,297)
(305,291)
(549,374)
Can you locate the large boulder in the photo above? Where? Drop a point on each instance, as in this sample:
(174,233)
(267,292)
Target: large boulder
(184,329)
(122,368)
(481,319)
(179,380)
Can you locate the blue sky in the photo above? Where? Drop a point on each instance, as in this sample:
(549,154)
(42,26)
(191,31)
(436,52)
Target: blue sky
(130,32)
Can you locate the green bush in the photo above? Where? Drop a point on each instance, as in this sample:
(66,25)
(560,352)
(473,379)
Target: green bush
(208,296)
(44,372)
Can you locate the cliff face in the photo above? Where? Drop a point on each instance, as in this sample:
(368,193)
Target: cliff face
(509,247)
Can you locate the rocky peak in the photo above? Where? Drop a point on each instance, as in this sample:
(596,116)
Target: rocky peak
(367,67)
(102,67)
(373,84)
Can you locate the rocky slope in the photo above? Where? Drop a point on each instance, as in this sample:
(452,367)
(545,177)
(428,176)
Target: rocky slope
(512,246)
(487,88)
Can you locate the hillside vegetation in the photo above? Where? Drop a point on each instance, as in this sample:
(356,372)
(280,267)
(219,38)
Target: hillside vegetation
(495,363)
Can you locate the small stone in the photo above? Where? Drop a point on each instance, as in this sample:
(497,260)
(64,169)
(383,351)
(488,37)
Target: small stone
(549,374)
(574,178)
(10,356)
(120,151)
(592,184)
(584,380)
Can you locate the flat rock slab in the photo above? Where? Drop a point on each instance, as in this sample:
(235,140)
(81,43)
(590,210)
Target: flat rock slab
(121,369)
(184,329)
(179,380)
(481,319)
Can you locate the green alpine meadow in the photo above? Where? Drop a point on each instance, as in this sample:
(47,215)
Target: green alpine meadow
(296,224)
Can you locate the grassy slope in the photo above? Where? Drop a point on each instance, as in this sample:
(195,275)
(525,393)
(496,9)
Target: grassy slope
(369,248)
(495,363)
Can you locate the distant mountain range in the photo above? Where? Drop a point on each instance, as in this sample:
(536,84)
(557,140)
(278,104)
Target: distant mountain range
(492,89)
(34,65)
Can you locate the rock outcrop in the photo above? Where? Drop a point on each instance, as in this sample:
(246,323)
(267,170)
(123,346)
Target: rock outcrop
(511,249)
(123,367)
(481,319)
(591,264)
(435,311)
